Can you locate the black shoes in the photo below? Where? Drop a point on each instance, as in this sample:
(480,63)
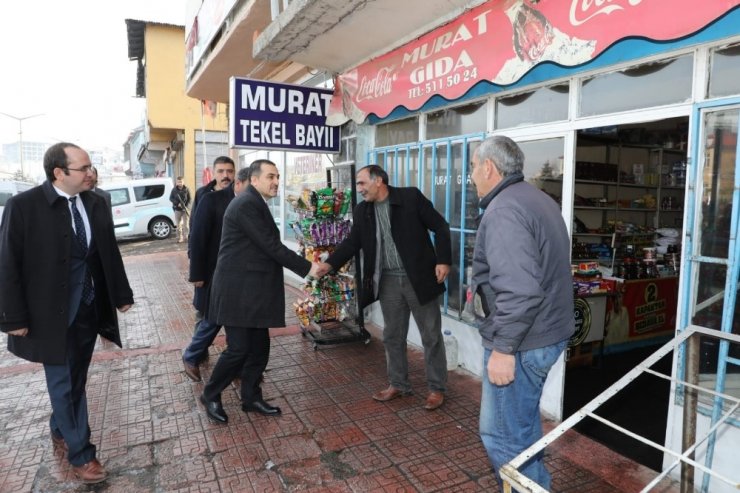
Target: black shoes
(260,406)
(214,410)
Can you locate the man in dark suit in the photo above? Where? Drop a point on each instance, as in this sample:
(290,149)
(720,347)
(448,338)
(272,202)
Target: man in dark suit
(204,244)
(401,269)
(250,263)
(61,280)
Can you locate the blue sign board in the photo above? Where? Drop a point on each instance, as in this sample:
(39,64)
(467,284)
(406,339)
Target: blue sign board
(266,115)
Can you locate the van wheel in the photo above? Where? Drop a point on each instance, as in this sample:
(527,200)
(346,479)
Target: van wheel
(160,228)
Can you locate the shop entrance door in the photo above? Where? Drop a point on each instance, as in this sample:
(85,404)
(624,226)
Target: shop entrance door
(711,266)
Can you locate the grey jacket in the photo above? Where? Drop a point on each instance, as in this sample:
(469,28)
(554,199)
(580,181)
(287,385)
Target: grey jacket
(521,269)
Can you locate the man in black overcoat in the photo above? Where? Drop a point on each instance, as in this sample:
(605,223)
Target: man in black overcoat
(248,292)
(224,170)
(61,280)
(204,244)
(405,271)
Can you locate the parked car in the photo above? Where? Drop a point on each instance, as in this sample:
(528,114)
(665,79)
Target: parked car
(8,188)
(141,207)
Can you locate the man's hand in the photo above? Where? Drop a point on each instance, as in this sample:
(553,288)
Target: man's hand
(19,332)
(501,368)
(198,284)
(124,308)
(441,271)
(324,269)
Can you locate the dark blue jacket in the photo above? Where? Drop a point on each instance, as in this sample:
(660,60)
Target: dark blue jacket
(205,238)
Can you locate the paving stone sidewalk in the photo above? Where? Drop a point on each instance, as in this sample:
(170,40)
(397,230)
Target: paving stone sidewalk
(152,433)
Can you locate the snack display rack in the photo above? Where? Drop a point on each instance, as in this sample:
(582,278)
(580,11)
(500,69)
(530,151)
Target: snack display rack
(330,313)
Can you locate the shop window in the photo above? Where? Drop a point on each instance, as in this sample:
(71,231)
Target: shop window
(302,171)
(643,86)
(546,104)
(397,132)
(713,240)
(724,75)
(401,164)
(461,120)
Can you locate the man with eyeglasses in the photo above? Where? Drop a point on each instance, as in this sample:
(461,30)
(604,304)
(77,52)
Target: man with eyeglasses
(61,280)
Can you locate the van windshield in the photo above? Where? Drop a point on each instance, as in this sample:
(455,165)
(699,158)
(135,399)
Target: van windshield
(4,196)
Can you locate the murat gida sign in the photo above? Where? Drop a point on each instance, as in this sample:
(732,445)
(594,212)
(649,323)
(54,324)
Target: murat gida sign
(267,115)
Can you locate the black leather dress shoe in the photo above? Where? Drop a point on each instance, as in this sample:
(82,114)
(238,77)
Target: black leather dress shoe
(214,410)
(261,407)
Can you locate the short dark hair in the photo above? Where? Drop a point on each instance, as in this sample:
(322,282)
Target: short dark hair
(242,175)
(255,169)
(225,160)
(56,157)
(178,178)
(376,171)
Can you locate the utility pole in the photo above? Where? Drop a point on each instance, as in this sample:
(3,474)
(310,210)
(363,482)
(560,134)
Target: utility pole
(20,119)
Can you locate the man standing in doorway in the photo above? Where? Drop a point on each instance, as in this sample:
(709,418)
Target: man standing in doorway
(521,272)
(248,294)
(205,240)
(404,271)
(180,198)
(61,280)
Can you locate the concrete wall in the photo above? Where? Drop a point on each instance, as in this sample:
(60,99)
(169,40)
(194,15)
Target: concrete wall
(169,110)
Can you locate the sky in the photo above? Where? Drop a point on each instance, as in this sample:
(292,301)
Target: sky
(67,61)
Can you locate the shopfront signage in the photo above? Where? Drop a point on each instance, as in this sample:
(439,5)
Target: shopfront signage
(499,42)
(266,115)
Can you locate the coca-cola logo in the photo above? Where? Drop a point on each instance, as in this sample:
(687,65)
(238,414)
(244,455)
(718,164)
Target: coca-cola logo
(581,11)
(378,86)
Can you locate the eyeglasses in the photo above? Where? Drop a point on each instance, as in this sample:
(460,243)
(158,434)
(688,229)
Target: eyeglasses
(83,169)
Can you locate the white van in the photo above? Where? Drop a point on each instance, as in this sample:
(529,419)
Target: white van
(8,188)
(142,207)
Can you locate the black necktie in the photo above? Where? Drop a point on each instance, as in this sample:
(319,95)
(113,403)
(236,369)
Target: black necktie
(88,291)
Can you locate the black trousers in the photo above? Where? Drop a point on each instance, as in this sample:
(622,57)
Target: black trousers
(66,386)
(246,355)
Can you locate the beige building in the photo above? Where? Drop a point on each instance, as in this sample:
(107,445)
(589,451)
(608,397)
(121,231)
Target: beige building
(182,134)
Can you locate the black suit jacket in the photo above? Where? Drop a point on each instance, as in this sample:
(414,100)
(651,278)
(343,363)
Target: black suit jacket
(247,288)
(412,217)
(35,277)
(205,238)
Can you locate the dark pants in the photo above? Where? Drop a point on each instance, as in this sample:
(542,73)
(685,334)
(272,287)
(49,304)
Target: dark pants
(66,387)
(246,355)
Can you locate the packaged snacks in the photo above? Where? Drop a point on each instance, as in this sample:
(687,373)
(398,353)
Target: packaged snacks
(325,202)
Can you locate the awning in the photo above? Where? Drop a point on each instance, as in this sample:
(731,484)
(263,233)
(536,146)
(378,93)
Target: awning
(499,42)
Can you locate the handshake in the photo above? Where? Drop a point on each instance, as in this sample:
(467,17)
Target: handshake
(319,269)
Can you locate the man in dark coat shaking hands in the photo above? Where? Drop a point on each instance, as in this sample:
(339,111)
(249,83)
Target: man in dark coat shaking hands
(247,292)
(405,271)
(61,280)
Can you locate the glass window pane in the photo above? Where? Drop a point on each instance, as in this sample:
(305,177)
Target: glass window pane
(546,104)
(461,120)
(302,171)
(543,165)
(397,132)
(718,182)
(439,186)
(724,75)
(454,288)
(651,84)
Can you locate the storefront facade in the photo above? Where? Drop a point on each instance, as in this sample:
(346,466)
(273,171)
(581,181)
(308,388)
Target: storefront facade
(613,133)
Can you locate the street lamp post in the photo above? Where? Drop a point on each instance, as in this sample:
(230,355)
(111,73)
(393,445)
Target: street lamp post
(20,119)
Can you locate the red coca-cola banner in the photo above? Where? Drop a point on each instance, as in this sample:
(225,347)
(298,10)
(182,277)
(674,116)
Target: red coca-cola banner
(500,41)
